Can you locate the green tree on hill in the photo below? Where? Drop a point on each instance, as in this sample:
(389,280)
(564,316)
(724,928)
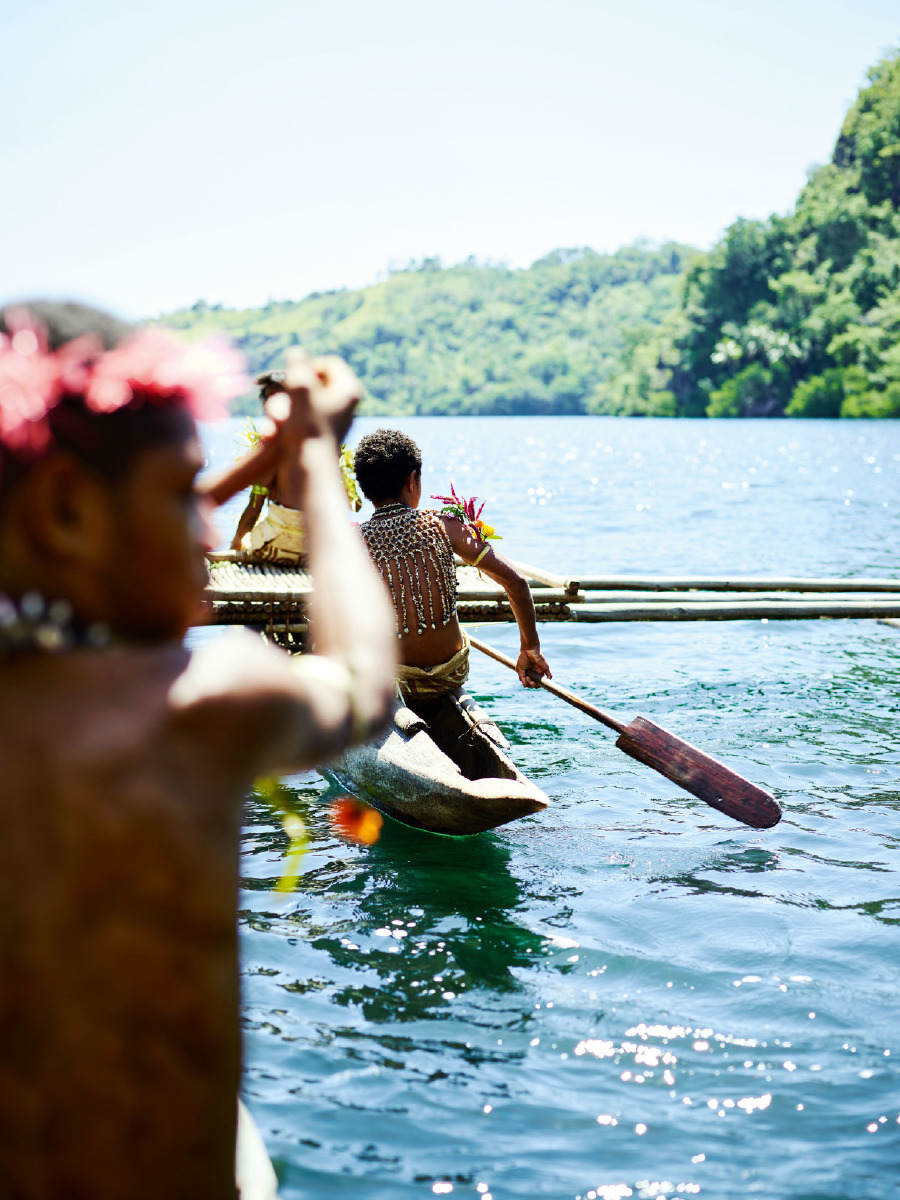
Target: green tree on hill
(799,314)
(576,332)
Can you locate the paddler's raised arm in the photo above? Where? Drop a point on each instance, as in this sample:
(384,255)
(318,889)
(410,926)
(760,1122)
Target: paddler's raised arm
(474,551)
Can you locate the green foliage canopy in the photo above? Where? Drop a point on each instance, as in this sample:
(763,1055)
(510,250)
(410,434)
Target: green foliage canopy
(800,315)
(576,332)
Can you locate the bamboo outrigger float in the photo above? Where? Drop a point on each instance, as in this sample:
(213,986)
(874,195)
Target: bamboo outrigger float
(444,767)
(274,598)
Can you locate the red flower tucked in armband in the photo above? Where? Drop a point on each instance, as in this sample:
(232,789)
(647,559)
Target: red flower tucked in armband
(464,511)
(355,821)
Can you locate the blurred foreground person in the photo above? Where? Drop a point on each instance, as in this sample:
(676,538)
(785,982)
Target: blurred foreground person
(124,757)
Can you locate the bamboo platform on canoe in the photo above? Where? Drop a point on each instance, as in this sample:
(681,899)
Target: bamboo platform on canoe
(262,594)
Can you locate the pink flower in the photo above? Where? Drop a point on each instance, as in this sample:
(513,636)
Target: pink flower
(150,366)
(30,384)
(154,365)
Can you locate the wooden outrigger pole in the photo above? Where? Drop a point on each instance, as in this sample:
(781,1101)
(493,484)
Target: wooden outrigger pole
(244,592)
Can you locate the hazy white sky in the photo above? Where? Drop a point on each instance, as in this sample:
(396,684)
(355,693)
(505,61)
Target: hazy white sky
(242,150)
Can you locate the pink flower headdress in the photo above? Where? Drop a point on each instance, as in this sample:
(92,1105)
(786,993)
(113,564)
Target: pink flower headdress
(152,366)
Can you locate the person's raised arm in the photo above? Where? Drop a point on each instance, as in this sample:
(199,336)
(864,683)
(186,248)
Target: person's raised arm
(259,465)
(269,712)
(350,612)
(531,662)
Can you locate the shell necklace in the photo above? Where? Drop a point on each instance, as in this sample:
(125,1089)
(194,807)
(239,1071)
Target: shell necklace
(32,624)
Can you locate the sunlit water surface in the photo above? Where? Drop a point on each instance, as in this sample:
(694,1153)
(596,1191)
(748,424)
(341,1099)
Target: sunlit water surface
(628,995)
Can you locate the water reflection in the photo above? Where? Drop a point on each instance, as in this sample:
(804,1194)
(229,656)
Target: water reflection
(430,918)
(440,910)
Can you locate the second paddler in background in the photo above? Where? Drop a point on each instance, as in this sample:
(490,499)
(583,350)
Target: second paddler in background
(270,529)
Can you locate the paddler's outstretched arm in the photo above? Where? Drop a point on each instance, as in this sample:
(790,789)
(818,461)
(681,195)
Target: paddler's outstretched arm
(531,661)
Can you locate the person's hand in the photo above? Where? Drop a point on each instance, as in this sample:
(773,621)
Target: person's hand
(320,398)
(531,667)
(337,396)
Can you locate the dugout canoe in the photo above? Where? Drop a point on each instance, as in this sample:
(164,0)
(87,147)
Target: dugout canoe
(444,768)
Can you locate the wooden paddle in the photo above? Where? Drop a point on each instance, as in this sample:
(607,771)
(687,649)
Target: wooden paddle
(696,772)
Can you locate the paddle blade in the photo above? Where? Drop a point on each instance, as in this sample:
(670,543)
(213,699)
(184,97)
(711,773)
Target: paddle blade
(699,774)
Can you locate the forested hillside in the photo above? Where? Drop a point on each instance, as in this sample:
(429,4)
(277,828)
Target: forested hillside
(798,315)
(569,334)
(801,314)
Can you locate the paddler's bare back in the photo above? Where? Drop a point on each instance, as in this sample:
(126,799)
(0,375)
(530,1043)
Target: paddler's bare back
(432,646)
(132,842)
(416,554)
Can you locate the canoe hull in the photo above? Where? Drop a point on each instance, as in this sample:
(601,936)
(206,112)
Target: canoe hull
(409,774)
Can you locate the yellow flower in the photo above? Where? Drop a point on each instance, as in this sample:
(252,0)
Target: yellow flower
(486,531)
(249,436)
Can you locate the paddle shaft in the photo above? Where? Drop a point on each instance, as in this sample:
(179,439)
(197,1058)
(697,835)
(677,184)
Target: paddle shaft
(698,773)
(550,686)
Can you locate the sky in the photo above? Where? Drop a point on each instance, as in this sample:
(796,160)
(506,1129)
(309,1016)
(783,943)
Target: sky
(156,154)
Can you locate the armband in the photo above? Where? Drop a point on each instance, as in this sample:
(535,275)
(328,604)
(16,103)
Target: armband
(481,556)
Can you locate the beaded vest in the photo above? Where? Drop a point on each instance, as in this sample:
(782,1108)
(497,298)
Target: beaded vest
(413,553)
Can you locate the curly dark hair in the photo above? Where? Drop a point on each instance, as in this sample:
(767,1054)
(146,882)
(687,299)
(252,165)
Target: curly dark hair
(383,462)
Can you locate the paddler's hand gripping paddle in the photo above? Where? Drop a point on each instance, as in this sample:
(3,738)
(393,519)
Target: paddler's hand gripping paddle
(698,773)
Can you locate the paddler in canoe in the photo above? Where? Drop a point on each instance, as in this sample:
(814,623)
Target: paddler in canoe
(413,549)
(442,765)
(275,533)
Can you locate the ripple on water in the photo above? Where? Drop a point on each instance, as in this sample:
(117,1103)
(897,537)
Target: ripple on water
(628,995)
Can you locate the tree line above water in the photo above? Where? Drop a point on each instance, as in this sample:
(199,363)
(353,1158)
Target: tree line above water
(798,315)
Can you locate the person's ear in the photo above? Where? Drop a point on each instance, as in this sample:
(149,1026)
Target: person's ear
(68,510)
(412,488)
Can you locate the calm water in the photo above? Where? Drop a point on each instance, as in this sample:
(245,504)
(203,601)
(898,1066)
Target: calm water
(628,995)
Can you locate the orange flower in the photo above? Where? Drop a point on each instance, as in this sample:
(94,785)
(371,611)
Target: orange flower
(355,821)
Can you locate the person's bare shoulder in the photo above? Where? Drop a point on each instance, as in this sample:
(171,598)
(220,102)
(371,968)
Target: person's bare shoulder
(234,668)
(472,549)
(459,536)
